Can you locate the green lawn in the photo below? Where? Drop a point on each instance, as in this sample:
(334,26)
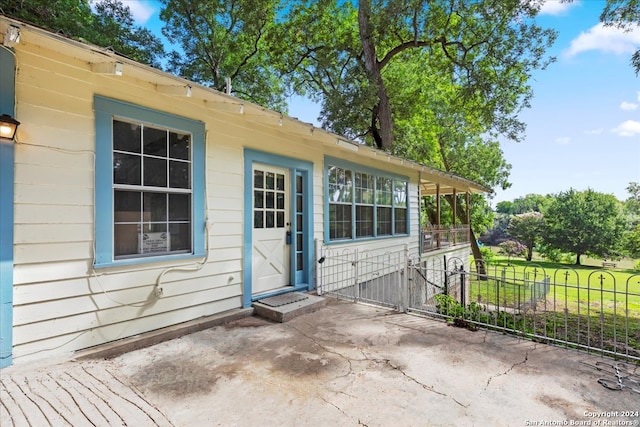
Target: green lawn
(586,305)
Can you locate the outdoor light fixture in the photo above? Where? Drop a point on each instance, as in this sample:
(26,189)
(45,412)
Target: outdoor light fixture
(8,127)
(11,36)
(346,144)
(114,68)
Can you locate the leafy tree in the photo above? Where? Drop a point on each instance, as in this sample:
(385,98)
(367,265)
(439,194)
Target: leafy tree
(513,248)
(584,222)
(487,51)
(520,205)
(226,39)
(530,203)
(111,25)
(632,242)
(505,207)
(632,204)
(71,17)
(623,14)
(527,228)
(498,232)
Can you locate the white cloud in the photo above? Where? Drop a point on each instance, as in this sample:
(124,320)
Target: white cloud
(597,131)
(639,95)
(140,10)
(555,7)
(605,39)
(563,140)
(628,106)
(628,128)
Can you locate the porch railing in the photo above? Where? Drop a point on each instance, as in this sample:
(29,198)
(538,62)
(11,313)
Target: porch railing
(434,238)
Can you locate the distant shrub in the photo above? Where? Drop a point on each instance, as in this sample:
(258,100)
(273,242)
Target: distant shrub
(636,267)
(487,254)
(513,248)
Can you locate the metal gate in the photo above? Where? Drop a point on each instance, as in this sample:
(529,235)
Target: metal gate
(362,276)
(597,312)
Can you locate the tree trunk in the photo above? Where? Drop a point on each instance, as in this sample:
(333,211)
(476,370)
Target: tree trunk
(373,68)
(529,253)
(475,249)
(578,259)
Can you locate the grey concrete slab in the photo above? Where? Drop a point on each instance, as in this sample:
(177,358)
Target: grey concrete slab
(344,365)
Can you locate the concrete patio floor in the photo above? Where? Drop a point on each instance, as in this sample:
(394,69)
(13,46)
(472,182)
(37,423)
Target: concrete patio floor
(344,365)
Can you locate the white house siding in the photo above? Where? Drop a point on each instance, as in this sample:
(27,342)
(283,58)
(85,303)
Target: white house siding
(61,304)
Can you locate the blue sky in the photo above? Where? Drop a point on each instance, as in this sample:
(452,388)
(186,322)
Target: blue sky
(583,127)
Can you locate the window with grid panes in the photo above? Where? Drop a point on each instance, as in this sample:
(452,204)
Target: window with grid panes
(340,194)
(384,224)
(149,184)
(365,203)
(152,194)
(400,206)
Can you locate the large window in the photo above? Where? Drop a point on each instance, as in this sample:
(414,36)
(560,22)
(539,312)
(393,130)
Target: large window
(364,204)
(149,184)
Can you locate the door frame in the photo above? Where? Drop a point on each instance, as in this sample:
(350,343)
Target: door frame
(299,282)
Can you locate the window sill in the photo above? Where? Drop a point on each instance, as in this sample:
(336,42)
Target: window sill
(365,239)
(150,260)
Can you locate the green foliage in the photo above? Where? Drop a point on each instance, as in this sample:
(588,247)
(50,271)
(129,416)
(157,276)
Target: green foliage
(636,267)
(528,229)
(632,204)
(72,17)
(584,222)
(505,207)
(226,39)
(473,47)
(111,25)
(512,248)
(498,233)
(520,205)
(623,14)
(632,242)
(487,254)
(448,306)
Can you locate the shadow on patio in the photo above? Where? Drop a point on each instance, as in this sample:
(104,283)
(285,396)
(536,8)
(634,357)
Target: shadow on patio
(346,364)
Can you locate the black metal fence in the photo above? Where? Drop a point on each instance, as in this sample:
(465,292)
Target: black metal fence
(596,310)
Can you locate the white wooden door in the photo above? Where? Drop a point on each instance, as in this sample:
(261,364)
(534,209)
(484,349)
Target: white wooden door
(271,222)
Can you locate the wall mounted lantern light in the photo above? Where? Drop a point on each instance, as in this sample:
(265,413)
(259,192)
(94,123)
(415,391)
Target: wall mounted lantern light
(8,127)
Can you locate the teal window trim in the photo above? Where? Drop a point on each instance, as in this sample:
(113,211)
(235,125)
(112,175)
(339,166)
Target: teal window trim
(295,166)
(376,173)
(105,111)
(7,161)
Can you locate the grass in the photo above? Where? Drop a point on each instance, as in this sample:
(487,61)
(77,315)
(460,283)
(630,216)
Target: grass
(585,305)
(571,286)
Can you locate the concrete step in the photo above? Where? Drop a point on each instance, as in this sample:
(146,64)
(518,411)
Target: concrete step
(284,307)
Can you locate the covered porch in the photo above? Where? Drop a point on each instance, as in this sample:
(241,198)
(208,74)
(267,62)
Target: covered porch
(445,192)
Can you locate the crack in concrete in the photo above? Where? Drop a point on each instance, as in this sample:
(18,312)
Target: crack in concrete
(349,360)
(389,363)
(335,406)
(386,362)
(526,357)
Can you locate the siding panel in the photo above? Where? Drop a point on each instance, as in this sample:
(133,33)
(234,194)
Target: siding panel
(61,302)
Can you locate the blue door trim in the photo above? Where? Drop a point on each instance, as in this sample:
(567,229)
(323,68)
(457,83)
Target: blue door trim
(7,106)
(302,281)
